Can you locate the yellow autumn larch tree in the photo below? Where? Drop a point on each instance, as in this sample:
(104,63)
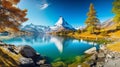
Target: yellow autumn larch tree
(92,21)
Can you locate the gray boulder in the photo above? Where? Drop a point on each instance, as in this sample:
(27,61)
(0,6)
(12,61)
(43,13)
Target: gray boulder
(27,51)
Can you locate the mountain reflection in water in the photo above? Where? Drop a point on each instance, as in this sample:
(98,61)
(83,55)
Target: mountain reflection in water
(53,46)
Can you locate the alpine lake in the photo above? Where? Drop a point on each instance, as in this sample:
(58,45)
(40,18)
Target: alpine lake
(54,47)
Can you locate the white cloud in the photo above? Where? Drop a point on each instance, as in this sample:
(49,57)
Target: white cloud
(44,6)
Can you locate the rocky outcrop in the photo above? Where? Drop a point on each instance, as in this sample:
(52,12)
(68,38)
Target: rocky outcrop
(97,59)
(104,58)
(91,50)
(22,56)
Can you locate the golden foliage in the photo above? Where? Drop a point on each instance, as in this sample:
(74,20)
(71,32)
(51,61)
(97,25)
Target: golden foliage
(11,16)
(114,47)
(7,59)
(116,11)
(92,20)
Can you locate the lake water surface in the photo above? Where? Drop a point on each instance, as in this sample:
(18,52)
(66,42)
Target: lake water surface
(54,47)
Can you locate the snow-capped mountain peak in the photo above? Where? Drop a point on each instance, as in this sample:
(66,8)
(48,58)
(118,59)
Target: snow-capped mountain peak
(61,21)
(62,24)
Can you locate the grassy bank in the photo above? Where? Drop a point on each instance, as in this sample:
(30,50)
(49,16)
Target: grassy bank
(8,59)
(114,46)
(86,36)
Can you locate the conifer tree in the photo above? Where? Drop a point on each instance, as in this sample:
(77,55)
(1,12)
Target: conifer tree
(92,19)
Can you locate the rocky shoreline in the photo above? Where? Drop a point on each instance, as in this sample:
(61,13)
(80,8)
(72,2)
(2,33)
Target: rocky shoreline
(26,56)
(104,58)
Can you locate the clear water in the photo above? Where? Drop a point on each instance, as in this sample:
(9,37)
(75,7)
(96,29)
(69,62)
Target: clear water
(53,47)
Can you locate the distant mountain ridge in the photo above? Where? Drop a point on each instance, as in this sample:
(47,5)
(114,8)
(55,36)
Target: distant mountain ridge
(36,29)
(108,24)
(60,25)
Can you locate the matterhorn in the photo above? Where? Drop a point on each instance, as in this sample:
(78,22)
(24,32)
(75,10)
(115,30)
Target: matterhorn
(61,24)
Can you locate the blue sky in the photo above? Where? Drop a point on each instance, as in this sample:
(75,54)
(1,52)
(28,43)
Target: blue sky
(47,12)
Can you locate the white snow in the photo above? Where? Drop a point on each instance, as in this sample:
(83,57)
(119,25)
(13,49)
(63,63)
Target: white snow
(61,23)
(36,28)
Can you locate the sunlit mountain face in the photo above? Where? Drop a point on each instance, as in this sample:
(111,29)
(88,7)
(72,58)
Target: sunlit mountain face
(61,24)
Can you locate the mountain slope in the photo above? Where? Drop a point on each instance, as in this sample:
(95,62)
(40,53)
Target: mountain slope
(108,25)
(36,29)
(61,24)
